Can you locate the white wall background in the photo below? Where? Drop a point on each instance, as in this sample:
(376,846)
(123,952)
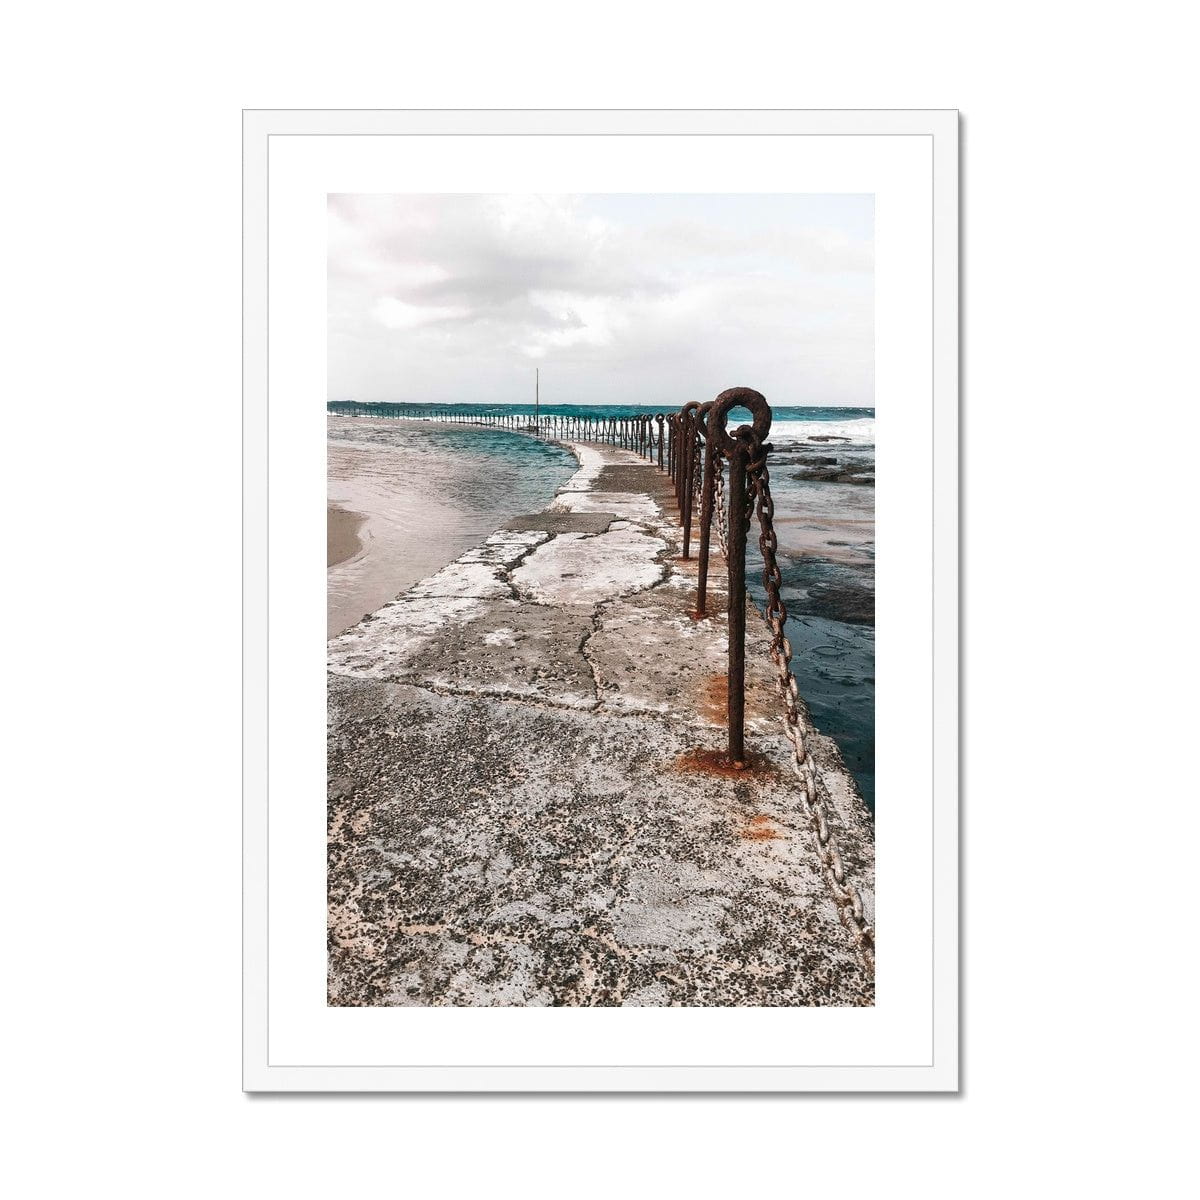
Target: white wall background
(122,320)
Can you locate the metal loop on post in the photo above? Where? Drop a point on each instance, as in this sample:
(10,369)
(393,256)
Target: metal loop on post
(738,397)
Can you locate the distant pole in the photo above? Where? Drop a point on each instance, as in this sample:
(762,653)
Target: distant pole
(537,387)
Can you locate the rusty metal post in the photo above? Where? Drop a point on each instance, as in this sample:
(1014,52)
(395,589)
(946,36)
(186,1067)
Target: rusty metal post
(679,441)
(691,416)
(708,492)
(684,473)
(736,448)
(675,449)
(739,523)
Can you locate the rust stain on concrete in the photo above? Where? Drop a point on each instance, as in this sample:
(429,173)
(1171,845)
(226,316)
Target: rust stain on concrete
(760,828)
(717,762)
(712,698)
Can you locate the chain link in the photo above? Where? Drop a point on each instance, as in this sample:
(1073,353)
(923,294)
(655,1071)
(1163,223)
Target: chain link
(722,518)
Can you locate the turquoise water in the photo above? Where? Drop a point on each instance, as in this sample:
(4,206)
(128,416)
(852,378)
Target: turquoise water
(822,480)
(477,470)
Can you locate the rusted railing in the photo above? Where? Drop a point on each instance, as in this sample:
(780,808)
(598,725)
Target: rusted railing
(727,472)
(641,433)
(693,447)
(699,448)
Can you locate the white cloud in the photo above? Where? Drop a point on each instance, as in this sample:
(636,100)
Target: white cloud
(446,297)
(578,320)
(396,314)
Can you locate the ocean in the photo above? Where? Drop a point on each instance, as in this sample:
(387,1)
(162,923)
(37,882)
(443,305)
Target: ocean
(408,478)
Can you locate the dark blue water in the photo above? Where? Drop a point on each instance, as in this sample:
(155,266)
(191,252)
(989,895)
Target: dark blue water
(822,481)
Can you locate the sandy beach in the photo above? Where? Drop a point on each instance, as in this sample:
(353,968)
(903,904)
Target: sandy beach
(342,539)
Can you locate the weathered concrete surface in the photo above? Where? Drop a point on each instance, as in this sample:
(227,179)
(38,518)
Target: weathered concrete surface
(521,812)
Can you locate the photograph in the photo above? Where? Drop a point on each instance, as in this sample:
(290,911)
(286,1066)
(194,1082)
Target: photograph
(601,600)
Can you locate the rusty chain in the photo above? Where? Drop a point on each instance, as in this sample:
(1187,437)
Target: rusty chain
(849,902)
(721,519)
(696,500)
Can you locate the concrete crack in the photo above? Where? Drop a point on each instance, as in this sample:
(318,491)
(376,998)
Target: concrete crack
(597,613)
(507,569)
(531,700)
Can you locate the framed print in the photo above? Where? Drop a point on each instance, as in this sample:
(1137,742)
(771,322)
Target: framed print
(612,745)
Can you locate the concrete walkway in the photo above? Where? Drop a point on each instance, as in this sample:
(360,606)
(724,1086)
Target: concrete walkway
(524,806)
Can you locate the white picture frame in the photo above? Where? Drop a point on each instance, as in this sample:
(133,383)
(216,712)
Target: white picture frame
(909,1041)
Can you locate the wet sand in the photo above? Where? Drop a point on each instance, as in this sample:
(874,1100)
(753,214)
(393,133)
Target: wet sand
(402,532)
(847,540)
(342,540)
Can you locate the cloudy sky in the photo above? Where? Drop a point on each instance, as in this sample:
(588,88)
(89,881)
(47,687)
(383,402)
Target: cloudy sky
(616,298)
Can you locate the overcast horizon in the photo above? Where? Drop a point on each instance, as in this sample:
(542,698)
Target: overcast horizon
(638,299)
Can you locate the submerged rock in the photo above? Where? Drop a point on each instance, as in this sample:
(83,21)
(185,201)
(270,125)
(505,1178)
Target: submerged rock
(842,601)
(838,473)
